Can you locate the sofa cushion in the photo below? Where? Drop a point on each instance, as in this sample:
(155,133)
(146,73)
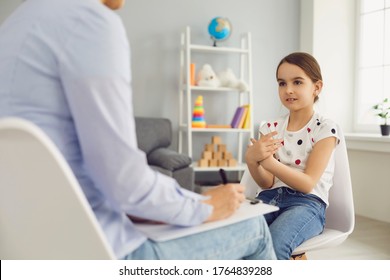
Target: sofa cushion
(153,133)
(168,159)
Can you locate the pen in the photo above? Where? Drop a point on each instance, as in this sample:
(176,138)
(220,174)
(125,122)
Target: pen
(223,176)
(222,172)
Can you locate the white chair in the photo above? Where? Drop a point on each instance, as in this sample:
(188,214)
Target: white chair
(43,211)
(340,215)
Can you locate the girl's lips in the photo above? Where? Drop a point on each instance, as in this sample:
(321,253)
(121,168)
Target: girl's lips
(291,99)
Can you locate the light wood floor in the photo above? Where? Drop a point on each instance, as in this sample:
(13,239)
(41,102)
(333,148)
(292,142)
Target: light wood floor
(370,240)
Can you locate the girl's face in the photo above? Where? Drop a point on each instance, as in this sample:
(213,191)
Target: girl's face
(296,90)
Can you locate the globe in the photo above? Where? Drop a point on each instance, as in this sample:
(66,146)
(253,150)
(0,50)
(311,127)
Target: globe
(219,29)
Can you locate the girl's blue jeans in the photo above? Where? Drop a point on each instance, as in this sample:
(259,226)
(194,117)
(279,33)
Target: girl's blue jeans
(249,239)
(300,217)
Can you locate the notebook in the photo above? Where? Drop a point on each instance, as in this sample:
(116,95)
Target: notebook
(163,232)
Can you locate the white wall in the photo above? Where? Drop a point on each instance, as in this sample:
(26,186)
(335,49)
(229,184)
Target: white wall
(328,31)
(370,179)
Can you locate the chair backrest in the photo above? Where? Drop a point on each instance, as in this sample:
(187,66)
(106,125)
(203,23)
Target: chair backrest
(43,211)
(340,214)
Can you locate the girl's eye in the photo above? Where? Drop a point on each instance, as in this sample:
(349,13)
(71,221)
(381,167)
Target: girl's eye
(298,82)
(281,84)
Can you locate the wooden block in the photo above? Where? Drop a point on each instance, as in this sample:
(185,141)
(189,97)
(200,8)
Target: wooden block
(221,147)
(207,155)
(216,140)
(231,162)
(213,163)
(203,163)
(222,162)
(217,155)
(227,155)
(209,147)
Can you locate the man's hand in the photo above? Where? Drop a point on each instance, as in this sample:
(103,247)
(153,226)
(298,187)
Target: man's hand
(225,199)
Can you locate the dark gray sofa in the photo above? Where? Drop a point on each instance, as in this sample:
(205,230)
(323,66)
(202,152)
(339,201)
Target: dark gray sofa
(154,136)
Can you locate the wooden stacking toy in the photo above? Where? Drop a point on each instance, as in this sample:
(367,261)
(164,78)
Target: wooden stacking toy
(215,154)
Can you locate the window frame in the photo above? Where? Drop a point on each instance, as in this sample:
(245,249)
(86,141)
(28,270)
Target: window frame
(359,126)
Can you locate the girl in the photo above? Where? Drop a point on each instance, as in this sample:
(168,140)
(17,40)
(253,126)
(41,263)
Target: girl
(292,161)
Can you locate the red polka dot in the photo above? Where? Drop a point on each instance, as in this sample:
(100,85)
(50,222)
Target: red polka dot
(282,143)
(268,124)
(312,140)
(298,162)
(275,124)
(308,129)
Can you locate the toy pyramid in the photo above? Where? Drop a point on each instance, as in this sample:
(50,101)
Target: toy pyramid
(215,154)
(198,120)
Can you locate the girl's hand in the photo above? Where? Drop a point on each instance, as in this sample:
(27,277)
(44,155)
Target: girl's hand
(259,150)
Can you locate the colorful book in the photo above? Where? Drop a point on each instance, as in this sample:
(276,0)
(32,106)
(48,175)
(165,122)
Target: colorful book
(247,118)
(237,117)
(243,117)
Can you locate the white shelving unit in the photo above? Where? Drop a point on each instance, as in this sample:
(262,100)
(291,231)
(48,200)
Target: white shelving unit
(186,91)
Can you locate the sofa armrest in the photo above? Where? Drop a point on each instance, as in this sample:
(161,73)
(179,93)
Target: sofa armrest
(168,159)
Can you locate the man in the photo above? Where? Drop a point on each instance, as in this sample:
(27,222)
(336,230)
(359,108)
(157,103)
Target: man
(64,65)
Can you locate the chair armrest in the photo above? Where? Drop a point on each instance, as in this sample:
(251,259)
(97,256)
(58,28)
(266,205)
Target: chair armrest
(168,159)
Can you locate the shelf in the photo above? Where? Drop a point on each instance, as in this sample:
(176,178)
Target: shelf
(228,130)
(239,167)
(215,89)
(187,92)
(203,48)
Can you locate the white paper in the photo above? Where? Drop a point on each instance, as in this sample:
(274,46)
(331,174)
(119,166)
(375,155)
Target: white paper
(163,232)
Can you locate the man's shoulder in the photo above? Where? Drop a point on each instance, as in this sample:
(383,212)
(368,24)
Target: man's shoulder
(91,9)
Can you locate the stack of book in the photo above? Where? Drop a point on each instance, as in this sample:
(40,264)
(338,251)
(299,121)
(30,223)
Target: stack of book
(241,118)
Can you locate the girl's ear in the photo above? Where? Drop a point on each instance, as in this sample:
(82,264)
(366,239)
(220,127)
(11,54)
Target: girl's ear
(318,87)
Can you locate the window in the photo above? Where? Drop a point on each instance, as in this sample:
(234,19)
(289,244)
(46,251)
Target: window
(373,61)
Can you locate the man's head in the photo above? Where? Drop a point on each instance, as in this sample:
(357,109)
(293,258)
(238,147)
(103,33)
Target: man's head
(113,4)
